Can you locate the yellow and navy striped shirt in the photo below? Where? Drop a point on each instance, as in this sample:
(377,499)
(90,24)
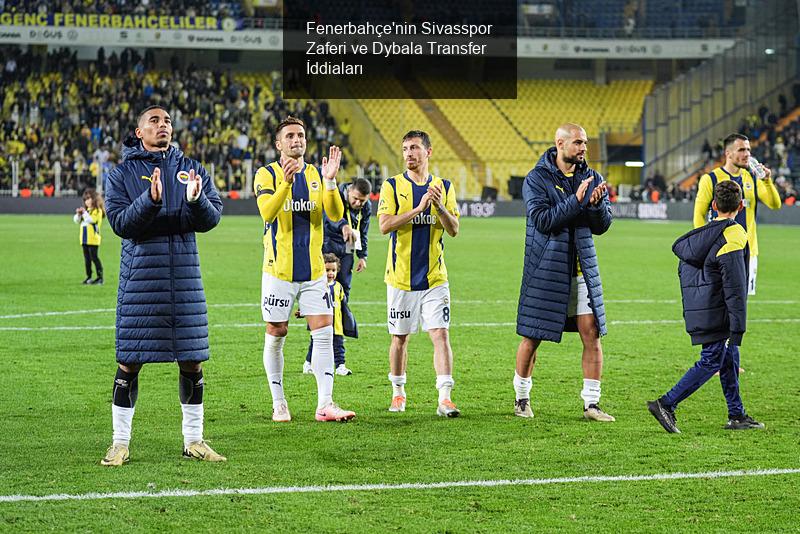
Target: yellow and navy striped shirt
(754,191)
(90,231)
(337,295)
(416,251)
(292,216)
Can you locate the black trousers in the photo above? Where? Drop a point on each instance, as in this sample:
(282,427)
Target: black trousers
(90,256)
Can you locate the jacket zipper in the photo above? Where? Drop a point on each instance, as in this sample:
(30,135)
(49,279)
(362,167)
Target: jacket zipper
(169,240)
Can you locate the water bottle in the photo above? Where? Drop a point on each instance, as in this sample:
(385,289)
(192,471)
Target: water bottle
(757,168)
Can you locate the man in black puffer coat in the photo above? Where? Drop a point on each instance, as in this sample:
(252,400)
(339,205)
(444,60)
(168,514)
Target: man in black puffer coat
(156,200)
(713,273)
(566,203)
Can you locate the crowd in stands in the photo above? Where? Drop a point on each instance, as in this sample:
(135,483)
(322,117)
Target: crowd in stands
(55,109)
(188,8)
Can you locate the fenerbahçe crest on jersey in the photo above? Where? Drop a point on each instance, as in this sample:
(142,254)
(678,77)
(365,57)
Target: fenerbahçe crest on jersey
(293,239)
(416,251)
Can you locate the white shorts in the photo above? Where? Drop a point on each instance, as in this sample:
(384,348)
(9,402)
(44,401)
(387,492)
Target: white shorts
(407,309)
(751,282)
(278,298)
(578,298)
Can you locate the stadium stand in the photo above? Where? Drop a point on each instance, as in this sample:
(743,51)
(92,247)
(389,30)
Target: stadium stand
(542,105)
(212,8)
(393,118)
(54,109)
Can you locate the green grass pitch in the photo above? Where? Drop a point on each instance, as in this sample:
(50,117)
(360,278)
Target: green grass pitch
(55,392)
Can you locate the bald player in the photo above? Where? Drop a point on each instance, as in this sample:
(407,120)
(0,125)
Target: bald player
(566,204)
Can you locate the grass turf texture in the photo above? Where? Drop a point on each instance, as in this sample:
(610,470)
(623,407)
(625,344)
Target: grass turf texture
(55,393)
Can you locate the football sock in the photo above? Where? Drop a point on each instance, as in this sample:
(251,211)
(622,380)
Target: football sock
(590,392)
(398,385)
(192,426)
(444,383)
(190,391)
(322,364)
(522,386)
(273,365)
(126,391)
(122,419)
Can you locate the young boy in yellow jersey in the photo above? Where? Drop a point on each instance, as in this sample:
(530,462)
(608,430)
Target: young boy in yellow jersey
(90,217)
(343,321)
(291,197)
(416,208)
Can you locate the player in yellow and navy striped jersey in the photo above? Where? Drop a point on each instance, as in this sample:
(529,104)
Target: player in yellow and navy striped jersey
(737,168)
(292,196)
(90,217)
(416,209)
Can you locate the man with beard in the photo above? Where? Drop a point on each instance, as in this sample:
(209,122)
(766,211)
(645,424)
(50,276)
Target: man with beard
(416,208)
(292,196)
(566,203)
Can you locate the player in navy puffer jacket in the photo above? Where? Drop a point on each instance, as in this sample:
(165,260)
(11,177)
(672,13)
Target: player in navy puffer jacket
(566,204)
(156,200)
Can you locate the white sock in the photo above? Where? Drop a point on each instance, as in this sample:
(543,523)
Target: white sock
(444,383)
(398,385)
(122,419)
(522,386)
(273,365)
(192,426)
(590,392)
(322,364)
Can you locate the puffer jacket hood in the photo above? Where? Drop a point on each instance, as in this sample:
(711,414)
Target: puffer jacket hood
(693,247)
(132,149)
(548,162)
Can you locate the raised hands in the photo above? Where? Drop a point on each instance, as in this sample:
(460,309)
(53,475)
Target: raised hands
(597,194)
(290,168)
(437,196)
(584,185)
(330,165)
(194,187)
(156,187)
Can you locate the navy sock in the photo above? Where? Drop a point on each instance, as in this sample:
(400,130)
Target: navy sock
(190,387)
(126,388)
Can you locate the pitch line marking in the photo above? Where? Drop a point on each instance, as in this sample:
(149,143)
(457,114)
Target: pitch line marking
(272,490)
(367,303)
(370,325)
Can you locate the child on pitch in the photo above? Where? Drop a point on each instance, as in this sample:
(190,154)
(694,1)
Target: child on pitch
(713,275)
(344,323)
(90,217)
